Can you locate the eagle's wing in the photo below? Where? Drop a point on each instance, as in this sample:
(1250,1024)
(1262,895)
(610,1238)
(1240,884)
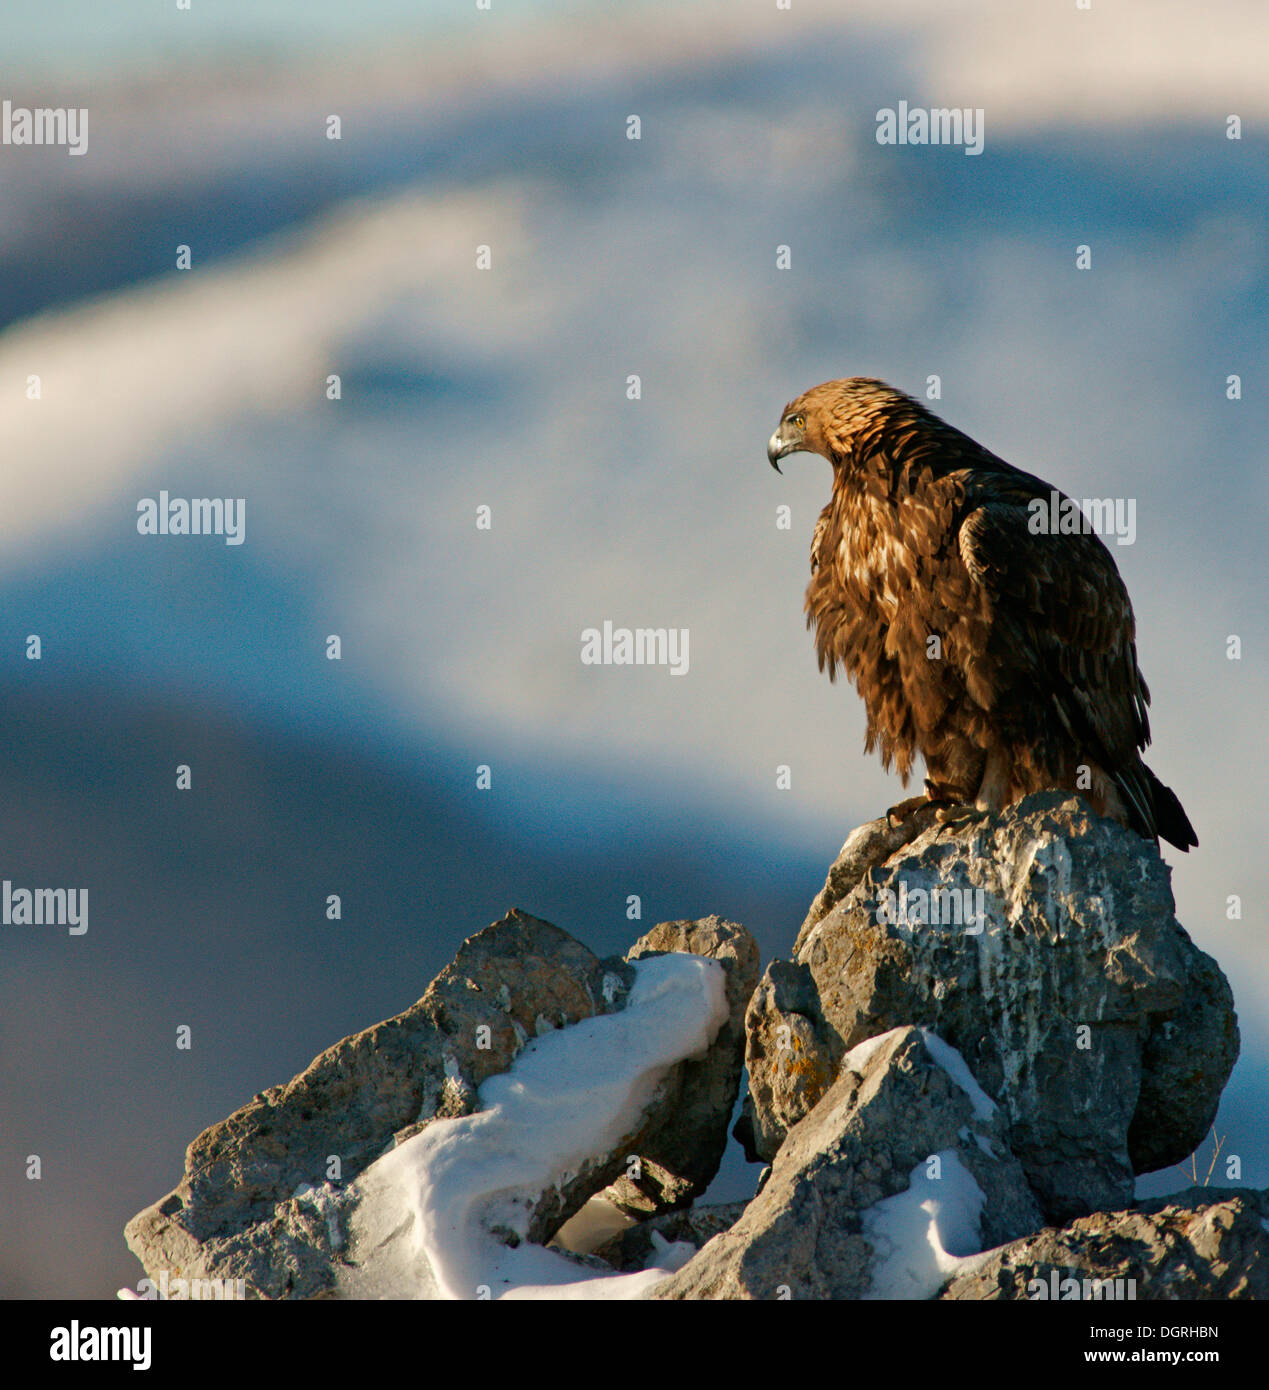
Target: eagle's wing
(1061,627)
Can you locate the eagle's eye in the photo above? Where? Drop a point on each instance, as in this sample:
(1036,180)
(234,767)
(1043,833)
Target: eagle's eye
(798,421)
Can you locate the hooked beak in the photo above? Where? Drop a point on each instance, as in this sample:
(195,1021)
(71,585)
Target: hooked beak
(778,446)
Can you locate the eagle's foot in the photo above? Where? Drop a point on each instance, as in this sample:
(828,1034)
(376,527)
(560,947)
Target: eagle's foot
(939,797)
(961,815)
(922,811)
(905,810)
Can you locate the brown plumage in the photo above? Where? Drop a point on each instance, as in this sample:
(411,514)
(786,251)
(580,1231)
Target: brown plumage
(1006,658)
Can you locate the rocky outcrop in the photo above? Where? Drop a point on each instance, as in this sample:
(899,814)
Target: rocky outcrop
(1208,1244)
(266,1193)
(841,1214)
(1042,944)
(987,1029)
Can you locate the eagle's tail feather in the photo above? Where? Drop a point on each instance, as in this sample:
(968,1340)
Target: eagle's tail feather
(1132,784)
(1153,808)
(1170,819)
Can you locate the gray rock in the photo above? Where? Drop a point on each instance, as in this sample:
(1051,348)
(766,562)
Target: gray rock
(1080,1004)
(634,1248)
(1204,1244)
(812,1233)
(866,846)
(268,1194)
(792,1055)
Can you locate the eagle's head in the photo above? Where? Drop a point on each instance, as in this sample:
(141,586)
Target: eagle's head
(827,419)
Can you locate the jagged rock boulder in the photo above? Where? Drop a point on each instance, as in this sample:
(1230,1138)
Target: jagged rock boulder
(841,1214)
(1042,944)
(266,1193)
(1204,1244)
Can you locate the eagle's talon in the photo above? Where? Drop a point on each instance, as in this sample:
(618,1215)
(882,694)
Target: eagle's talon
(904,810)
(914,806)
(960,816)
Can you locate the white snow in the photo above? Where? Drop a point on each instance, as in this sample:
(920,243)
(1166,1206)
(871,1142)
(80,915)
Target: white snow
(570,1095)
(942,1053)
(955,1066)
(669,1255)
(924,1236)
(858,1057)
(966,1135)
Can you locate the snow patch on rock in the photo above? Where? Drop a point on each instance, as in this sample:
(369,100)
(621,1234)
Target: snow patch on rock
(456,1199)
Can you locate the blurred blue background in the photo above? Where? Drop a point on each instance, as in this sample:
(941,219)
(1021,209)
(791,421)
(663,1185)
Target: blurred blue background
(507,388)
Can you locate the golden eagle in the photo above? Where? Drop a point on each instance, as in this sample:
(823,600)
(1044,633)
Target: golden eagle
(997,646)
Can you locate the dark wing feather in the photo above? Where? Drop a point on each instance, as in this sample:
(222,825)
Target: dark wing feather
(1062,649)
